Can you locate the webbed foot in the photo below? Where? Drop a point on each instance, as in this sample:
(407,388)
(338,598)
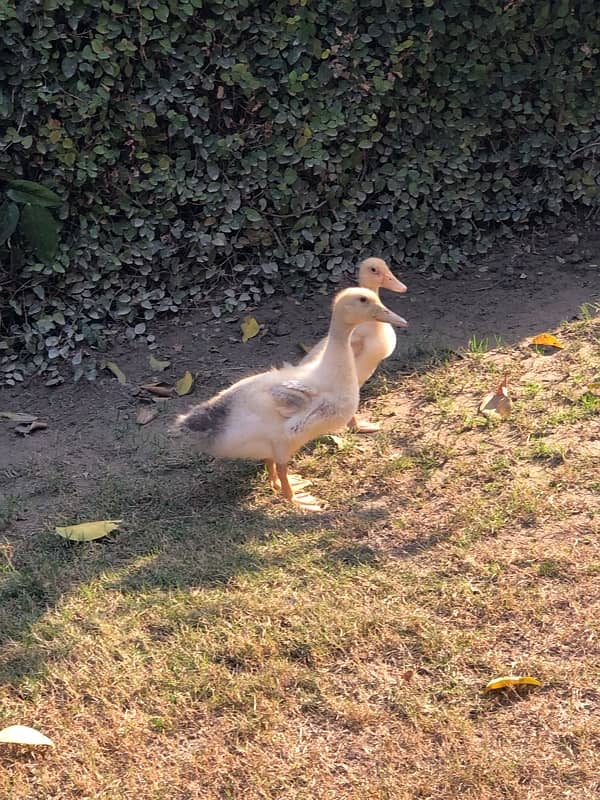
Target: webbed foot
(363,425)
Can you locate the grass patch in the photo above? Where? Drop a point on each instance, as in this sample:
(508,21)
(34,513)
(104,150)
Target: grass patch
(477,346)
(221,645)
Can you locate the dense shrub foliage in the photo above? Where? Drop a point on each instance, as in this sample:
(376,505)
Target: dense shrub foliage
(244,145)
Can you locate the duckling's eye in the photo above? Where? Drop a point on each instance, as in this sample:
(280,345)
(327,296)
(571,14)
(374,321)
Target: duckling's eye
(363,299)
(373,269)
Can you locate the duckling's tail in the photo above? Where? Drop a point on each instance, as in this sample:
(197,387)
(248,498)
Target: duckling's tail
(204,421)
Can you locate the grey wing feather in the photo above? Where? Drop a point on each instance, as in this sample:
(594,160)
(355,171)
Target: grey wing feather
(291,397)
(322,410)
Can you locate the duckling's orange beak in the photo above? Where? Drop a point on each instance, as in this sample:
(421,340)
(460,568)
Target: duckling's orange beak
(392,284)
(383,314)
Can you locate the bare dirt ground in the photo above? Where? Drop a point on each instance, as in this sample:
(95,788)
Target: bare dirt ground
(530,286)
(224,646)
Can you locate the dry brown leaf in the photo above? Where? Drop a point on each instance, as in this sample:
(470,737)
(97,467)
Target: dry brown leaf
(547,340)
(116,371)
(146,414)
(497,404)
(17,416)
(594,388)
(184,385)
(250,328)
(25,428)
(159,389)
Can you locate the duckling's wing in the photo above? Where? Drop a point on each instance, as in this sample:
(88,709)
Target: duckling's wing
(316,351)
(292,397)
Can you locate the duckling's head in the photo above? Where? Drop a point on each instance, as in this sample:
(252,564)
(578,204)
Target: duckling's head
(374,273)
(351,307)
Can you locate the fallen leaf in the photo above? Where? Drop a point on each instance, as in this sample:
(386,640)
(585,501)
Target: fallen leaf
(407,676)
(157,364)
(547,340)
(116,371)
(159,389)
(146,414)
(511,680)
(304,347)
(21,734)
(184,385)
(88,531)
(250,328)
(496,404)
(594,388)
(25,428)
(337,440)
(17,416)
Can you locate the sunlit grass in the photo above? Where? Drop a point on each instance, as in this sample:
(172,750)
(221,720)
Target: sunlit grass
(224,645)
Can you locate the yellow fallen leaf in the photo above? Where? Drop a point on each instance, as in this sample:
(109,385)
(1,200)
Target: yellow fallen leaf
(511,680)
(88,531)
(497,404)
(157,364)
(184,385)
(116,371)
(250,328)
(21,734)
(547,340)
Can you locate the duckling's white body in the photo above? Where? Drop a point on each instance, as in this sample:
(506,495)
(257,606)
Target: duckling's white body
(371,343)
(269,416)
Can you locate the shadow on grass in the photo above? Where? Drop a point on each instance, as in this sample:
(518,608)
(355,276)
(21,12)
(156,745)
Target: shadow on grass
(185,528)
(193,526)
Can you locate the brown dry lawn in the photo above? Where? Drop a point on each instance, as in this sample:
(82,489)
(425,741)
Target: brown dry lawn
(222,646)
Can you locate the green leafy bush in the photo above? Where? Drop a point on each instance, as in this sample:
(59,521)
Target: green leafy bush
(226,148)
(24,214)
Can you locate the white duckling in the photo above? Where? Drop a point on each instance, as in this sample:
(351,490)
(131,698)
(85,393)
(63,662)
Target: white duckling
(372,341)
(269,416)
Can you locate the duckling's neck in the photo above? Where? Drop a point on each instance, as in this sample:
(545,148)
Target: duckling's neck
(376,288)
(338,359)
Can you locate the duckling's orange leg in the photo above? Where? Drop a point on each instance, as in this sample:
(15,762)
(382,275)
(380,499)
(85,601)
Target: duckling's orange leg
(273,479)
(305,501)
(286,489)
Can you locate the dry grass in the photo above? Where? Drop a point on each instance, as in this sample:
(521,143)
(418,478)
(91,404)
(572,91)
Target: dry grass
(223,647)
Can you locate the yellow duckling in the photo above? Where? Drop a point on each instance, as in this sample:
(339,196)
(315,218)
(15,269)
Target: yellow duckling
(372,341)
(269,416)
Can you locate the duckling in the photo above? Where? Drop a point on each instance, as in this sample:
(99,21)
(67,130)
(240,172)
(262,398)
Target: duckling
(269,416)
(372,341)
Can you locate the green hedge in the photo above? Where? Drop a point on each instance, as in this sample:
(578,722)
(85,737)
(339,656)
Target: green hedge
(246,146)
